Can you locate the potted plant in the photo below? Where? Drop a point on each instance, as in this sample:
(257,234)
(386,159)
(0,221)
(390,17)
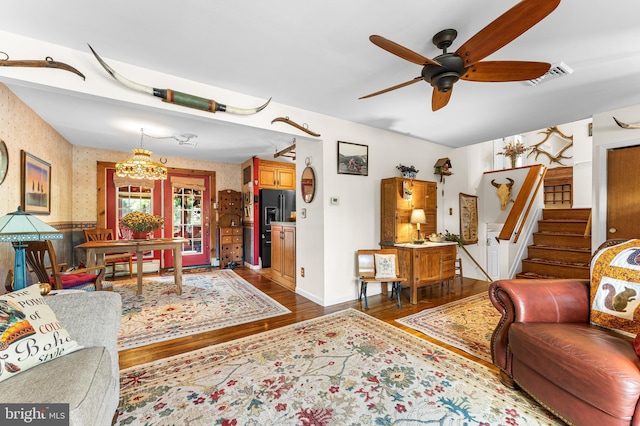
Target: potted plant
(448,236)
(140,223)
(408,172)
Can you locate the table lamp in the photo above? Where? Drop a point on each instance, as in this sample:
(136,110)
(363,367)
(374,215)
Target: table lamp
(19,227)
(418,217)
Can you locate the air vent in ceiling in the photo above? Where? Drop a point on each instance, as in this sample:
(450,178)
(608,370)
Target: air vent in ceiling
(557,70)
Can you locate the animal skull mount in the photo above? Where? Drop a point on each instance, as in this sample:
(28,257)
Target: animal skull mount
(504,192)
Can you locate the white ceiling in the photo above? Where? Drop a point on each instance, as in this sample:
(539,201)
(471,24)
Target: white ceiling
(316,55)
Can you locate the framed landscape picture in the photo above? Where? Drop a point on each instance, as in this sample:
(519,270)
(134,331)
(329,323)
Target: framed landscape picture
(35,188)
(353,159)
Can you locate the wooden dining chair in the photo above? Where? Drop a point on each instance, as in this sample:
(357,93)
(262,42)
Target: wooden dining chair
(101,234)
(41,258)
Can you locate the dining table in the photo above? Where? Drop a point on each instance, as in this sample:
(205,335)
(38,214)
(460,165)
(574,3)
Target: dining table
(96,251)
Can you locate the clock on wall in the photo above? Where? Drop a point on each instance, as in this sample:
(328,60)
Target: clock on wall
(4,161)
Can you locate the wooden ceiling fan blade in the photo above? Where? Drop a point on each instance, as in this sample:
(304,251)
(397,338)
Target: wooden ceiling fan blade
(505,29)
(401,51)
(440,99)
(388,89)
(499,71)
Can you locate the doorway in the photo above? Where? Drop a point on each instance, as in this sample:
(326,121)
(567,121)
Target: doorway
(189,190)
(188,216)
(623,193)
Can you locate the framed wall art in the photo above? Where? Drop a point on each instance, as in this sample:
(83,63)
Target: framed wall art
(35,188)
(469,218)
(353,159)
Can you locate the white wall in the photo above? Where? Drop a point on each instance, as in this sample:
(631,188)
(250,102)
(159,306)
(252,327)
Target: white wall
(355,222)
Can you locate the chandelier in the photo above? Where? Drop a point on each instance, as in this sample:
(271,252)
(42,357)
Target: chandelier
(141,166)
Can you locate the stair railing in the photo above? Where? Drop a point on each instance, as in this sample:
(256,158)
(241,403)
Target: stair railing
(587,229)
(531,183)
(530,204)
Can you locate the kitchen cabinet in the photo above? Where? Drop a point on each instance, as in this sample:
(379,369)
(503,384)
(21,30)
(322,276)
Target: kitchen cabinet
(396,208)
(426,264)
(283,253)
(276,175)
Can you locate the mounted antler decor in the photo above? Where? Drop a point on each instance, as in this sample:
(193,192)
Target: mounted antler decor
(558,157)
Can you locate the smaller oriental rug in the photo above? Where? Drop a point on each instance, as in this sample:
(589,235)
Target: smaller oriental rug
(209,301)
(466,324)
(346,368)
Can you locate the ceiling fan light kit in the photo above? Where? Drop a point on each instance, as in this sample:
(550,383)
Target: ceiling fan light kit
(443,71)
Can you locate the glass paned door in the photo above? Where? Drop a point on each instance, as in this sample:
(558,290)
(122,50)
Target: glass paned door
(189,205)
(187,218)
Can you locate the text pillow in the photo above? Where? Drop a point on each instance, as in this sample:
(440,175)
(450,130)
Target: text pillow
(30,334)
(385,265)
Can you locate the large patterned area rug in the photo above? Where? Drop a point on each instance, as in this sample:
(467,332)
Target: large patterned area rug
(345,368)
(466,324)
(209,301)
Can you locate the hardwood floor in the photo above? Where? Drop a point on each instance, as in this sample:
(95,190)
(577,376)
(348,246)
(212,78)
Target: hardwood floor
(380,306)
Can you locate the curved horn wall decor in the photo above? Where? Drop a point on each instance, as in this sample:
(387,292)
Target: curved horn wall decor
(178,98)
(625,125)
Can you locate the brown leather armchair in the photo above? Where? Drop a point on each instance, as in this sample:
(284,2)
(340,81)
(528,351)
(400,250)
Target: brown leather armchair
(545,345)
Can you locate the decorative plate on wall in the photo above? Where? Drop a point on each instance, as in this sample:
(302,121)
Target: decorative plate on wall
(4,161)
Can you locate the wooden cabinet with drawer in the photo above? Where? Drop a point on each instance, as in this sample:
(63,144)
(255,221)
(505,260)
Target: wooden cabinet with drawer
(231,245)
(424,265)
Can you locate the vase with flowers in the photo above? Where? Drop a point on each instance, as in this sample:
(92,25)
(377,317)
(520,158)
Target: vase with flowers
(141,224)
(513,150)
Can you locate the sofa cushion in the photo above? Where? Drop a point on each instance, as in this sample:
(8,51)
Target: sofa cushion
(73,280)
(596,366)
(80,379)
(30,333)
(615,287)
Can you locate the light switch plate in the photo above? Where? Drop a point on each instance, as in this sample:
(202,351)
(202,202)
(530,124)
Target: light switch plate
(335,201)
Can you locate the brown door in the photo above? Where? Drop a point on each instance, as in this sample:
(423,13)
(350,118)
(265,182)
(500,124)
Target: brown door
(623,189)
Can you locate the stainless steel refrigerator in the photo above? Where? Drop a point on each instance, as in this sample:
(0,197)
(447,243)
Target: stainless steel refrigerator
(275,206)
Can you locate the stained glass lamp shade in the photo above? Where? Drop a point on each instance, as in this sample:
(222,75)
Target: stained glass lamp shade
(19,227)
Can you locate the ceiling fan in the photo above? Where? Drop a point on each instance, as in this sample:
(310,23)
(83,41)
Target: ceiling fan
(465,63)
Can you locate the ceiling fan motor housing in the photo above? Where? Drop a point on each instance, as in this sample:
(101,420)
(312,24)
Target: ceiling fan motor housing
(444,77)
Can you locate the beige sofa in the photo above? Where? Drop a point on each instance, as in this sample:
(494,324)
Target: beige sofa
(88,379)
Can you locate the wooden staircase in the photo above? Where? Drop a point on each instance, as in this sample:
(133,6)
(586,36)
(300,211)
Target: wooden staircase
(560,248)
